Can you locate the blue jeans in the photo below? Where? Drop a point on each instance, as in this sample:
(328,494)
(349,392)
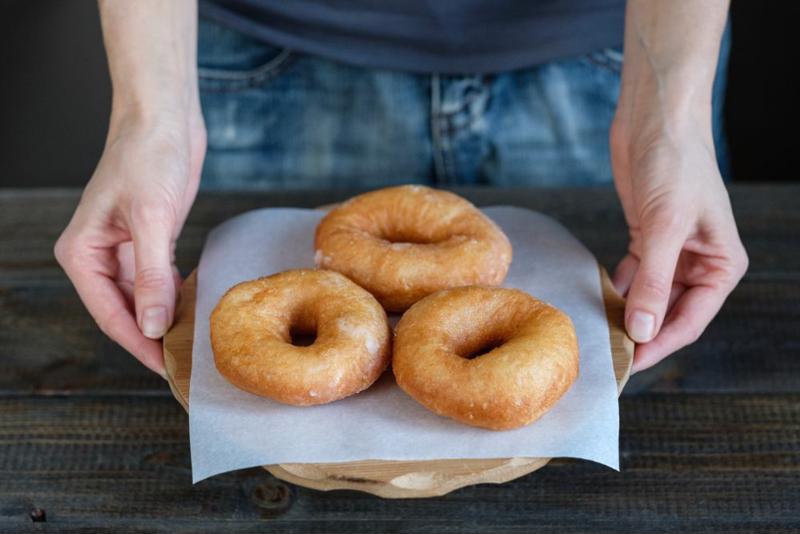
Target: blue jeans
(280,119)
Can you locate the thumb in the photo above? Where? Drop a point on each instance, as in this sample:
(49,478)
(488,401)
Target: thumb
(154,285)
(651,286)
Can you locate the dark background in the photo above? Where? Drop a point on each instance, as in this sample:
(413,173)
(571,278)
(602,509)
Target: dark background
(56,97)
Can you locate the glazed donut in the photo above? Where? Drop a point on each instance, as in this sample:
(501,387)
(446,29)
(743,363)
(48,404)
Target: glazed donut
(532,357)
(403,243)
(255,323)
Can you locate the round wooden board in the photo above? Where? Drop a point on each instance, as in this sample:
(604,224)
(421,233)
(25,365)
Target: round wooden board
(389,478)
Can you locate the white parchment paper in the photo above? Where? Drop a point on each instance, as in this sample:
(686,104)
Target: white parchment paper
(231,429)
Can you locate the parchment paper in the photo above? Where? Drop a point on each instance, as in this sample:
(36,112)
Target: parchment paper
(231,429)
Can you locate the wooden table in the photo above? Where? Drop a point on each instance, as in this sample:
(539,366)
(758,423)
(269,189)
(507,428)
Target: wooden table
(92,442)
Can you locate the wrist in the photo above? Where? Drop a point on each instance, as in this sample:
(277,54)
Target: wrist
(670,58)
(674,92)
(151,49)
(666,107)
(178,115)
(142,104)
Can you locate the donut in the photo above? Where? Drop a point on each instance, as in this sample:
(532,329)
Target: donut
(404,243)
(257,325)
(488,357)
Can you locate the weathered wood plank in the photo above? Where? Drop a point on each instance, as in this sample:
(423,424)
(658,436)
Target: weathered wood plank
(49,344)
(31,220)
(753,345)
(691,463)
(109,453)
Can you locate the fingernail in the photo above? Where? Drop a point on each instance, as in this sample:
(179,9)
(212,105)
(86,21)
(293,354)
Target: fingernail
(154,322)
(642,326)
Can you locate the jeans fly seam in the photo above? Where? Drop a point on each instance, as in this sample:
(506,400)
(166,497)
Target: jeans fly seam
(439,164)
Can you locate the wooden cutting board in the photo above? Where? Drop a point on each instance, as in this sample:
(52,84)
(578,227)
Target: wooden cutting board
(391,479)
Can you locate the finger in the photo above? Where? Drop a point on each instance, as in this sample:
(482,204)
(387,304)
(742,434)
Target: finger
(126,272)
(126,288)
(177,279)
(191,191)
(678,289)
(623,275)
(108,307)
(649,293)
(154,285)
(692,312)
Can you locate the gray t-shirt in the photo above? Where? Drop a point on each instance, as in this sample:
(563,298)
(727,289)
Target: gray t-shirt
(446,36)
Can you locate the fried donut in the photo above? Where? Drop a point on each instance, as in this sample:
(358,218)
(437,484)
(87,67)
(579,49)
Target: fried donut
(488,357)
(256,325)
(403,243)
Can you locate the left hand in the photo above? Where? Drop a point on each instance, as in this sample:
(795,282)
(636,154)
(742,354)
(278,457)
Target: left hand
(685,255)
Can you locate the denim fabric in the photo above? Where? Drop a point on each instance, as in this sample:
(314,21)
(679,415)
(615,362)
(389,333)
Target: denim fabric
(280,119)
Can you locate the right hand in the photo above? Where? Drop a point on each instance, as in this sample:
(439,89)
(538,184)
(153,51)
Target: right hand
(118,249)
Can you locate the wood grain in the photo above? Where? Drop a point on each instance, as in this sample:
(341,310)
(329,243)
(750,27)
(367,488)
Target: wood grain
(391,479)
(709,439)
(50,345)
(31,220)
(690,463)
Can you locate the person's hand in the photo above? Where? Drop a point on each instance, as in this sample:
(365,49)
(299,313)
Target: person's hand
(118,248)
(685,255)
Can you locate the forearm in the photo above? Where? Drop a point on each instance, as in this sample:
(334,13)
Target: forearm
(151,47)
(671,52)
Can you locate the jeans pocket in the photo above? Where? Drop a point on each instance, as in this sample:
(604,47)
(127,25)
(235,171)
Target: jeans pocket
(228,60)
(607,58)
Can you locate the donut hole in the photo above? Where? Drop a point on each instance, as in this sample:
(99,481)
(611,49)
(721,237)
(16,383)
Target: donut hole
(410,240)
(408,236)
(302,337)
(302,330)
(491,329)
(481,348)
